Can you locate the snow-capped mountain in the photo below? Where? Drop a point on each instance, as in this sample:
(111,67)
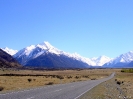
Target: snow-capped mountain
(45,52)
(100,61)
(35,51)
(121,60)
(9,51)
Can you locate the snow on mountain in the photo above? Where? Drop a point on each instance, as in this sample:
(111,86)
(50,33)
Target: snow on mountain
(100,61)
(35,51)
(80,58)
(9,51)
(122,59)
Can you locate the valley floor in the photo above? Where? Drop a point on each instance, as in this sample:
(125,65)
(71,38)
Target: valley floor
(21,79)
(120,87)
(117,88)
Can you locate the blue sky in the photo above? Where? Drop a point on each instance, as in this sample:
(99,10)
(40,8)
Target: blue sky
(89,27)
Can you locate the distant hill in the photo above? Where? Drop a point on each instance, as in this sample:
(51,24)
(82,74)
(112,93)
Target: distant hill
(7,61)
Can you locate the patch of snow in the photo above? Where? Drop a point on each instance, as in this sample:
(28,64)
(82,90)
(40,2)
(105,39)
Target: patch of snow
(9,51)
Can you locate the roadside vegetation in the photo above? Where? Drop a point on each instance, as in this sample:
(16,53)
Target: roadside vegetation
(20,79)
(120,87)
(127,70)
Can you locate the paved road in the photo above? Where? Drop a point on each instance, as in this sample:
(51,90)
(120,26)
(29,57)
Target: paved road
(60,91)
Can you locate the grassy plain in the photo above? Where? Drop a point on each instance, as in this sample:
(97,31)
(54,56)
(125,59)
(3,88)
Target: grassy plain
(117,88)
(120,87)
(35,78)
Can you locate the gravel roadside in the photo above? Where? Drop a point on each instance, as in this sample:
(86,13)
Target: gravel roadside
(107,90)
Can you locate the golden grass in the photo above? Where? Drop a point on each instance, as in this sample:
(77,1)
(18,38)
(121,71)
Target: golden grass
(127,85)
(21,82)
(108,89)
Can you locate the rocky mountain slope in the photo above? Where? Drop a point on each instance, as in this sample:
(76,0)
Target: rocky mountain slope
(7,61)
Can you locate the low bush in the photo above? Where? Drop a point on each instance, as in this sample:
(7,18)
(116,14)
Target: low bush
(85,76)
(118,82)
(69,77)
(1,88)
(29,79)
(93,78)
(59,77)
(77,77)
(49,83)
(127,70)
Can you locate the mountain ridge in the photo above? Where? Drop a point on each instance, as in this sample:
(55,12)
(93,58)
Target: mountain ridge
(121,60)
(44,47)
(35,51)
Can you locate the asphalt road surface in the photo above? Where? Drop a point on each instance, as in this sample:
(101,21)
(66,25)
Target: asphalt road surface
(61,91)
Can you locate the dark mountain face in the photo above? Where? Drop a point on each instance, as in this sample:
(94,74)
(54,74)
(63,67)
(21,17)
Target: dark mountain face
(7,61)
(117,65)
(49,60)
(130,64)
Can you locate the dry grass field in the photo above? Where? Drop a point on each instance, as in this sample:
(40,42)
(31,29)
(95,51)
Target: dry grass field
(35,78)
(120,87)
(117,88)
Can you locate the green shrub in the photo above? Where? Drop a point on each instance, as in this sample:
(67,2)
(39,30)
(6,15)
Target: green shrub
(127,70)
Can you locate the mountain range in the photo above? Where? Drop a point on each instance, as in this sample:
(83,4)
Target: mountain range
(124,60)
(48,56)
(7,61)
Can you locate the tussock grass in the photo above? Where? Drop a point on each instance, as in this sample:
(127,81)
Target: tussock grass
(117,88)
(49,83)
(21,79)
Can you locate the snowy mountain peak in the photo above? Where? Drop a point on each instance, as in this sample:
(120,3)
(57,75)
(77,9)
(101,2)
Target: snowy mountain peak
(130,51)
(104,57)
(9,51)
(34,51)
(44,45)
(123,58)
(99,61)
(31,47)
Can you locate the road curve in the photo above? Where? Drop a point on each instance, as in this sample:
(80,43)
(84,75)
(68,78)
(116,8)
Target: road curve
(61,91)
